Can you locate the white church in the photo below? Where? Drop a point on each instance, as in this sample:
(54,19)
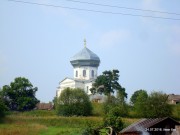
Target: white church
(85,65)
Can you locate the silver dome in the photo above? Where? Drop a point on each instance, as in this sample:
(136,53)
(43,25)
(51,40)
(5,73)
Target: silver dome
(85,58)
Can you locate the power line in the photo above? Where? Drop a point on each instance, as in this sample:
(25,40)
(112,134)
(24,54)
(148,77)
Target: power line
(129,8)
(90,10)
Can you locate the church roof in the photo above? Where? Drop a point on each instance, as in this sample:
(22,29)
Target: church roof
(85,58)
(77,80)
(85,54)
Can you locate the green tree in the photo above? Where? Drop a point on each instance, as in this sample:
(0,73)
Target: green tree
(109,104)
(107,83)
(176,111)
(73,102)
(140,104)
(157,105)
(152,106)
(136,94)
(3,107)
(20,95)
(116,104)
(113,119)
(55,102)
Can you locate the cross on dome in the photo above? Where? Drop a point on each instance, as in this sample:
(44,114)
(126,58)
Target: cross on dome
(84,42)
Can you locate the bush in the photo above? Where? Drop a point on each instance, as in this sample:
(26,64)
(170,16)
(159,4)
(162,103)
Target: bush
(113,121)
(97,109)
(92,129)
(176,111)
(116,105)
(3,108)
(109,104)
(73,102)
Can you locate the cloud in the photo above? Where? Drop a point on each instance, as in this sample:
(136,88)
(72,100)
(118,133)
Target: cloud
(114,37)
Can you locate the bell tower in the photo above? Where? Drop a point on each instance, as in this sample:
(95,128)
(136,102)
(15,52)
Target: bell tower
(85,64)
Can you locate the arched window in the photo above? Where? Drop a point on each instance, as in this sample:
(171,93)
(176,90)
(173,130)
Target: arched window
(92,73)
(84,73)
(76,73)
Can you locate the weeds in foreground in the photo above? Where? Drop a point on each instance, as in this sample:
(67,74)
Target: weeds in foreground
(21,129)
(40,123)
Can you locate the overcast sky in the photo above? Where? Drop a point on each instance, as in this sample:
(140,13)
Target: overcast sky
(37,42)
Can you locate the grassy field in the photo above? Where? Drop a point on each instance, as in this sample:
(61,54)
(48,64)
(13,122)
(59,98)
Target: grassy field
(47,123)
(44,123)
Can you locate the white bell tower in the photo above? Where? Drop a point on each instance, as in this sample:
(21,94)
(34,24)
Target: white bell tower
(85,64)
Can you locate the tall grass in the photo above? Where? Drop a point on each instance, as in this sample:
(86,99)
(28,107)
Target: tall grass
(21,129)
(35,113)
(54,120)
(48,123)
(61,131)
(39,122)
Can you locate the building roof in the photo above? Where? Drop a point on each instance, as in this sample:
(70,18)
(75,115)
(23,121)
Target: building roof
(143,124)
(85,58)
(173,97)
(44,106)
(77,80)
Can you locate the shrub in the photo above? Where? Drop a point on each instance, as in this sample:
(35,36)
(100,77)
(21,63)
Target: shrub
(97,109)
(91,130)
(109,104)
(152,106)
(116,105)
(3,108)
(73,102)
(113,121)
(176,111)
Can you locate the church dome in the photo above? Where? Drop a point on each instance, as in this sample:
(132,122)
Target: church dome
(85,58)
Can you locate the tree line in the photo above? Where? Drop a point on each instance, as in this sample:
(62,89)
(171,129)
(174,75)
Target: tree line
(142,104)
(20,96)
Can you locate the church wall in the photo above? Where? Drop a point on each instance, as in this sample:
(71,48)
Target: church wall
(65,84)
(87,88)
(79,85)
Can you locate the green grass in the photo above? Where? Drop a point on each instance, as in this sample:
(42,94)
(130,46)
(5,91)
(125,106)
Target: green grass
(48,123)
(61,131)
(40,123)
(35,113)
(21,129)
